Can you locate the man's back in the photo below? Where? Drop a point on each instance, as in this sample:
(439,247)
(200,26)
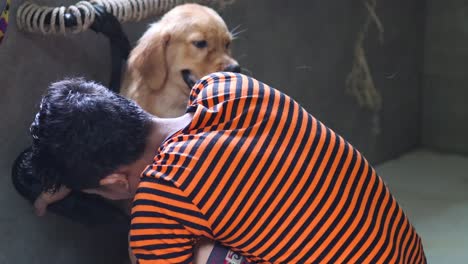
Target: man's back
(256,172)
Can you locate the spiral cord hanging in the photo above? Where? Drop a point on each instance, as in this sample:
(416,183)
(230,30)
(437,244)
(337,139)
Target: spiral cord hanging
(52,20)
(101,16)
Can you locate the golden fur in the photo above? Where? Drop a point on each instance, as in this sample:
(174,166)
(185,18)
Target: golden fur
(154,76)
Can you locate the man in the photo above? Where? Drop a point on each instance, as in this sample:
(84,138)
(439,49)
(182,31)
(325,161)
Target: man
(246,166)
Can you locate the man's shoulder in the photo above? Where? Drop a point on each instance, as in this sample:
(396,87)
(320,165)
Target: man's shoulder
(220,86)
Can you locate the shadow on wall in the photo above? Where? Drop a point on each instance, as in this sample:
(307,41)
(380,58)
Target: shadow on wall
(305,48)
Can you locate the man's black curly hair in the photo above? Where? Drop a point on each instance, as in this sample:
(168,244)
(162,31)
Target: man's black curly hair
(83,132)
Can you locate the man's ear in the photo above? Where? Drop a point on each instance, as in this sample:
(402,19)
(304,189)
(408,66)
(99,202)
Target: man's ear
(115,179)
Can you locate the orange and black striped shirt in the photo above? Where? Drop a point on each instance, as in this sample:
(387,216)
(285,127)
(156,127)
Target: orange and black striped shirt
(257,173)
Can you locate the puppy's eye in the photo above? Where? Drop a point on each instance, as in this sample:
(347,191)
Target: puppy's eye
(200,44)
(228,45)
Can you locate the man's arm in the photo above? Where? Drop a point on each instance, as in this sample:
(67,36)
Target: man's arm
(166,225)
(45,198)
(203,250)
(156,238)
(132,257)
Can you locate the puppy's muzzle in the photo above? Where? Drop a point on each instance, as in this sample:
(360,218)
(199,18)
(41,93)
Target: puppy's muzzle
(233,68)
(188,78)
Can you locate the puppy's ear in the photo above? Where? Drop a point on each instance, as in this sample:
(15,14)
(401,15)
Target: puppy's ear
(147,61)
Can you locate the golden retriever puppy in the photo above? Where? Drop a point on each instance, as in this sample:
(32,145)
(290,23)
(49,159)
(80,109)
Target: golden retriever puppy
(189,42)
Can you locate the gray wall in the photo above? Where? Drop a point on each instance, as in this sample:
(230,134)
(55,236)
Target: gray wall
(445,96)
(305,47)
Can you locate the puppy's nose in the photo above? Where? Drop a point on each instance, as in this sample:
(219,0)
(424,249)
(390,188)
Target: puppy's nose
(233,68)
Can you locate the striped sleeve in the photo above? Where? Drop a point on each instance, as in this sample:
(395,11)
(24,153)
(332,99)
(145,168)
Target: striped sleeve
(165,226)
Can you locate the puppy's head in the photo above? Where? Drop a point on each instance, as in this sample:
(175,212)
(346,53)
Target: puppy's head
(189,42)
